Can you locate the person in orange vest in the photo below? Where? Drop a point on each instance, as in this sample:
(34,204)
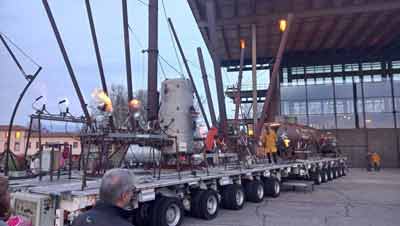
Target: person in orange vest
(269,144)
(374,161)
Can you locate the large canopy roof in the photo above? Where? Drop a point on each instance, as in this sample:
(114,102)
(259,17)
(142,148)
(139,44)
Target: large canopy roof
(323,31)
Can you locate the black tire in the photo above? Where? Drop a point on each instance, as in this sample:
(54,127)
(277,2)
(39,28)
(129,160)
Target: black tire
(324,174)
(272,187)
(335,173)
(343,170)
(194,203)
(142,215)
(233,197)
(254,191)
(330,173)
(317,177)
(167,212)
(205,205)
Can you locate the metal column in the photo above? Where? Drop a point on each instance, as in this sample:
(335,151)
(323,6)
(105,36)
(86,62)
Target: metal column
(274,76)
(211,19)
(207,87)
(254,70)
(152,96)
(98,55)
(189,73)
(66,60)
(127,58)
(239,84)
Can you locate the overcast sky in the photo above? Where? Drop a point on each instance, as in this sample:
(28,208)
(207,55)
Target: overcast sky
(26,23)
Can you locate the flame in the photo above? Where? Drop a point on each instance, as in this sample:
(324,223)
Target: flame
(103,99)
(134,104)
(282,25)
(242,44)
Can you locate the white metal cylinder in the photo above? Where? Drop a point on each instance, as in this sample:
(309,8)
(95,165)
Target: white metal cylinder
(176,113)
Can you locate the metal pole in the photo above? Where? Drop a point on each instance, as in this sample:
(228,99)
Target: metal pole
(254,70)
(211,19)
(272,85)
(12,55)
(70,162)
(152,97)
(394,111)
(239,85)
(97,51)
(189,73)
(128,57)
(40,145)
(66,60)
(27,143)
(207,87)
(21,96)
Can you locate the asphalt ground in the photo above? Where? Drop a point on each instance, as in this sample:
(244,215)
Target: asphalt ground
(360,198)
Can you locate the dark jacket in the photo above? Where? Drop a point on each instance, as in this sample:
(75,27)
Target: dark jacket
(103,214)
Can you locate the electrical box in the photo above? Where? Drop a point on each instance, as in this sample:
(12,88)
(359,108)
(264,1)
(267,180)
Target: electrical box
(39,209)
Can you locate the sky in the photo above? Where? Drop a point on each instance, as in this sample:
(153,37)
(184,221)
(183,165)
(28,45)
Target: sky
(27,25)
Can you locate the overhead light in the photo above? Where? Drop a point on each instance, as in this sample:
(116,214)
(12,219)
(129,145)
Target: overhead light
(282,25)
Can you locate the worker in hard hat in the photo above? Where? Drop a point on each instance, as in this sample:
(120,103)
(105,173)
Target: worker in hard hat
(374,161)
(269,144)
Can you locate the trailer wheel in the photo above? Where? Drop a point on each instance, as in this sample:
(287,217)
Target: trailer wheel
(167,212)
(330,173)
(335,173)
(324,175)
(233,197)
(254,190)
(343,169)
(317,177)
(272,187)
(194,203)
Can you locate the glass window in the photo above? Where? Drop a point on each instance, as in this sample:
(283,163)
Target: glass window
(344,90)
(319,92)
(37,145)
(396,87)
(17,147)
(338,80)
(75,145)
(377,89)
(293,93)
(345,121)
(379,120)
(322,121)
(29,145)
(328,107)
(315,107)
(382,104)
(298,108)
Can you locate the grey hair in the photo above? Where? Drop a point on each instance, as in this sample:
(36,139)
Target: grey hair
(114,183)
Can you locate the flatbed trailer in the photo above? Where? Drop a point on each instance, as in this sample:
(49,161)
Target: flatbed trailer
(200,193)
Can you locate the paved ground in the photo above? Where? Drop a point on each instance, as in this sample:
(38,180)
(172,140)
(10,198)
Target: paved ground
(361,198)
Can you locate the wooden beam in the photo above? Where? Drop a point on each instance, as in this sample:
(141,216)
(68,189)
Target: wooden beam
(379,22)
(346,30)
(365,27)
(338,11)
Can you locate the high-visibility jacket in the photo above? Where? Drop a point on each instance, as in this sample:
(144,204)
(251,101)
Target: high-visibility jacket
(269,142)
(210,139)
(375,158)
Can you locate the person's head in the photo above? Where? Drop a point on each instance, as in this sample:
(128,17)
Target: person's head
(117,187)
(4,198)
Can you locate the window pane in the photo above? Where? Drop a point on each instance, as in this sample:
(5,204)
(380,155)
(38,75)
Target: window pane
(293,93)
(397,102)
(379,120)
(346,121)
(318,92)
(344,90)
(322,121)
(315,107)
(396,87)
(377,89)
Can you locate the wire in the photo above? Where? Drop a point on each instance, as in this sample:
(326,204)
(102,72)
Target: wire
(172,38)
(19,49)
(175,69)
(162,70)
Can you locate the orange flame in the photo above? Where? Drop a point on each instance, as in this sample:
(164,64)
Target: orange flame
(134,104)
(101,97)
(242,44)
(282,25)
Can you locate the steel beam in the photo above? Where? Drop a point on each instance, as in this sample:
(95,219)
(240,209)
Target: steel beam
(266,113)
(207,87)
(98,55)
(128,58)
(211,17)
(254,70)
(237,99)
(66,60)
(189,73)
(152,96)
(333,11)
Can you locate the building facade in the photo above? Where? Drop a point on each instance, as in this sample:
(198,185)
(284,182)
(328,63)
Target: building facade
(19,138)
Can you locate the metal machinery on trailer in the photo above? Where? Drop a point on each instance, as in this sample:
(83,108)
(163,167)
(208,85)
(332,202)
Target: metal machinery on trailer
(163,194)
(168,196)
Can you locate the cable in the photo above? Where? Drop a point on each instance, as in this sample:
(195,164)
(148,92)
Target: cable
(176,70)
(19,49)
(162,70)
(172,39)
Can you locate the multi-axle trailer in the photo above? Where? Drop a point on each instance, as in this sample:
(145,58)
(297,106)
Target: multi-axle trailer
(163,200)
